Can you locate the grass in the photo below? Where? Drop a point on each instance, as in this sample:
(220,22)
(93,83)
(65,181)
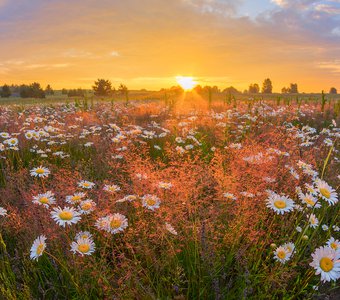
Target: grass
(223,249)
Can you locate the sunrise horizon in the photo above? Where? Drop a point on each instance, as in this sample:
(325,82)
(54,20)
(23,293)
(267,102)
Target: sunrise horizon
(146,45)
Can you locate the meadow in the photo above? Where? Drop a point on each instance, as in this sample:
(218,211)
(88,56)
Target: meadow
(170,196)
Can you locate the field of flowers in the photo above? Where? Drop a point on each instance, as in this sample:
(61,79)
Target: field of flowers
(170,200)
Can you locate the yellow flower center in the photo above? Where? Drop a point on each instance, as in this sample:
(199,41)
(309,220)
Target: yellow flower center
(86,206)
(76,198)
(84,236)
(116,223)
(325,192)
(280,204)
(40,171)
(84,248)
(12,141)
(86,184)
(326,264)
(334,246)
(66,215)
(281,254)
(40,249)
(309,201)
(150,202)
(44,200)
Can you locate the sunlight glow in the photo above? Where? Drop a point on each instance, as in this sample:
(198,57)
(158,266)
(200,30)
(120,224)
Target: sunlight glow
(187,83)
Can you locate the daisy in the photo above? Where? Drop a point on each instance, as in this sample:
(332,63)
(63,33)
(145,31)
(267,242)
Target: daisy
(84,235)
(309,200)
(282,254)
(151,202)
(87,206)
(326,261)
(280,204)
(12,142)
(313,221)
(326,192)
(113,223)
(129,198)
(229,196)
(165,185)
(86,184)
(75,198)
(66,215)
(45,199)
(83,246)
(3,212)
(333,243)
(169,228)
(38,247)
(111,188)
(40,172)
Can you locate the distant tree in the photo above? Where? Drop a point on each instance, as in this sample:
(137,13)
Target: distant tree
(64,91)
(267,87)
(102,87)
(49,90)
(254,88)
(124,91)
(333,91)
(5,92)
(285,90)
(231,90)
(293,88)
(198,89)
(33,90)
(76,93)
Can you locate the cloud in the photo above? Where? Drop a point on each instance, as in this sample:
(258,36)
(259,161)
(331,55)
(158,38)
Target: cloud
(159,39)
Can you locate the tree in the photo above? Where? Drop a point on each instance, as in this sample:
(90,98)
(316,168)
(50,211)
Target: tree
(49,90)
(124,91)
(267,86)
(64,91)
(333,91)
(76,93)
(293,88)
(102,87)
(285,90)
(231,90)
(33,90)
(6,91)
(254,88)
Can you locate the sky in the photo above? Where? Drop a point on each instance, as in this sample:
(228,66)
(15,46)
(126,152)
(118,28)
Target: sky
(147,43)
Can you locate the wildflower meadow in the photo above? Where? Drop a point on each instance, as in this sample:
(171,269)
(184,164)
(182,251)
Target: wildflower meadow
(172,198)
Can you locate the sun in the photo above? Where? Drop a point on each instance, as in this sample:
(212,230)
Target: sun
(187,83)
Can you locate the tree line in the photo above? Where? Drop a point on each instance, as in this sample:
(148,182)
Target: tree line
(103,87)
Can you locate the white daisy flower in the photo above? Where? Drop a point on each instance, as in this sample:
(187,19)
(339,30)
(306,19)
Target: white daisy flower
(324,227)
(326,192)
(112,223)
(229,196)
(86,184)
(282,254)
(151,201)
(3,212)
(83,246)
(326,262)
(87,206)
(313,221)
(333,243)
(111,188)
(280,204)
(129,198)
(40,172)
(45,199)
(75,198)
(84,235)
(165,185)
(169,228)
(66,215)
(309,200)
(38,247)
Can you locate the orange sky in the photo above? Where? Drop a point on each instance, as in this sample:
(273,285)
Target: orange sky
(145,44)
